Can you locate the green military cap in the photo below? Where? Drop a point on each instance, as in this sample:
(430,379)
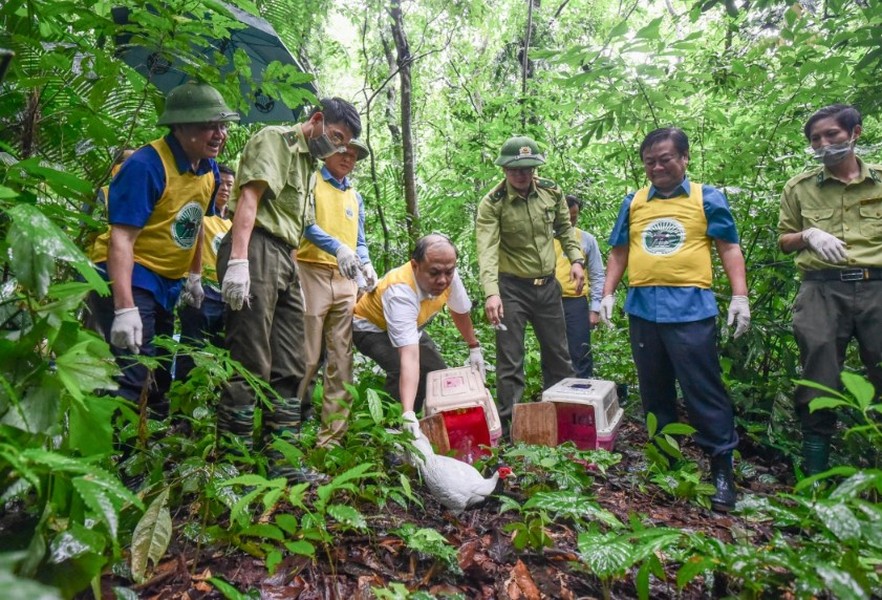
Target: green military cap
(361,149)
(194,102)
(519,152)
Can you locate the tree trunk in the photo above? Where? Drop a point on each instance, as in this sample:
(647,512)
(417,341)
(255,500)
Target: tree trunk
(404,61)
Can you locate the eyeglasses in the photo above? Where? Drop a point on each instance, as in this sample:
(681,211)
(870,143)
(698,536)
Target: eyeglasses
(219,127)
(664,161)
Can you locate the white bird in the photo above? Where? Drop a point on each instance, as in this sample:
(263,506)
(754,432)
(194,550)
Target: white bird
(455,484)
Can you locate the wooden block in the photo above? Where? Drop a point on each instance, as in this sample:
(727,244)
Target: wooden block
(535,423)
(433,428)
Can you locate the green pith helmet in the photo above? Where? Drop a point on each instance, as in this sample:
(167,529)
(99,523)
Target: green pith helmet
(519,152)
(193,102)
(361,149)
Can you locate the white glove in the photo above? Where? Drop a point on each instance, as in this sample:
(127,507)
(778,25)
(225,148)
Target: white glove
(347,262)
(607,303)
(370,277)
(827,246)
(193,293)
(127,329)
(476,361)
(739,313)
(236,284)
(410,423)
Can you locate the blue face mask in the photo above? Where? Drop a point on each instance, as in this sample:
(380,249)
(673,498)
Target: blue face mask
(833,154)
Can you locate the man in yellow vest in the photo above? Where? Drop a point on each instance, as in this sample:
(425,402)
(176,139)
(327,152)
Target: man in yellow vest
(331,256)
(389,321)
(152,250)
(206,322)
(831,217)
(516,225)
(663,237)
(580,313)
(260,280)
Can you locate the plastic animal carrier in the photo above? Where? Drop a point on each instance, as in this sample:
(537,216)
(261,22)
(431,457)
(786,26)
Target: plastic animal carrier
(470,416)
(587,410)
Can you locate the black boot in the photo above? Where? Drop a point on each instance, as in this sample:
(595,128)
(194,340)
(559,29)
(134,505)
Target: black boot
(723,499)
(815,453)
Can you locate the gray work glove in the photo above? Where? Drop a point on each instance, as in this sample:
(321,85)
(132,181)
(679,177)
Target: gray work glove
(193,293)
(411,423)
(476,361)
(348,262)
(370,277)
(236,284)
(827,246)
(739,314)
(607,303)
(126,331)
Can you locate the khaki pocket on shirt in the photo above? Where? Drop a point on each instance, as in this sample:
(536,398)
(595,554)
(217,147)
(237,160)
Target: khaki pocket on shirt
(549,222)
(871,218)
(817,217)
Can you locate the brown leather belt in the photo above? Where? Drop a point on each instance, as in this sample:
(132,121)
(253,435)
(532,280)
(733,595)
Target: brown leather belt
(529,280)
(859,274)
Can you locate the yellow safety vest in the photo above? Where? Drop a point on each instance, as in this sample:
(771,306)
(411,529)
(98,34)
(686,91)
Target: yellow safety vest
(167,241)
(214,229)
(562,269)
(336,212)
(669,245)
(370,306)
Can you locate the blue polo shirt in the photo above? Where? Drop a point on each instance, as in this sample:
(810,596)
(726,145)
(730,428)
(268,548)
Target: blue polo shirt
(330,244)
(669,304)
(134,192)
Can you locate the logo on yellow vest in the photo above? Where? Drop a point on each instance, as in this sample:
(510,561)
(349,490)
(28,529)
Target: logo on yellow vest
(186,225)
(216,242)
(663,236)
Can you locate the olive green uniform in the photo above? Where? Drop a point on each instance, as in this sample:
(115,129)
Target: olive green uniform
(267,334)
(515,238)
(836,302)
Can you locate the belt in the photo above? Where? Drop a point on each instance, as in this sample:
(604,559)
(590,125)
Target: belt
(859,274)
(537,281)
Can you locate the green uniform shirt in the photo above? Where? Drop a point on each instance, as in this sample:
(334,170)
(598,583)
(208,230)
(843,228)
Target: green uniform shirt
(279,156)
(516,235)
(852,212)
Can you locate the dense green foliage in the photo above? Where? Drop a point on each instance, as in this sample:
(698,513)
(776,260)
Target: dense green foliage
(597,76)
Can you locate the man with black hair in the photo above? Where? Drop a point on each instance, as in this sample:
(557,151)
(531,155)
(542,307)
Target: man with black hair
(389,321)
(581,308)
(206,322)
(151,252)
(663,237)
(260,283)
(831,217)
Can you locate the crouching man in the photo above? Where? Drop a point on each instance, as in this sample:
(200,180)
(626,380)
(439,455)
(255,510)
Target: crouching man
(389,321)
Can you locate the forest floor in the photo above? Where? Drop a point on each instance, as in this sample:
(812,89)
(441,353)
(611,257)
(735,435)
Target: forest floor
(490,565)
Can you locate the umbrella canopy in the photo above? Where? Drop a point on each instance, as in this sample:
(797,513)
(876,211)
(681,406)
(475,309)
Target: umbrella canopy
(257,39)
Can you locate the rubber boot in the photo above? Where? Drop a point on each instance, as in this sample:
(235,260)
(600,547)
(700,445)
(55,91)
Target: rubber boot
(815,453)
(723,499)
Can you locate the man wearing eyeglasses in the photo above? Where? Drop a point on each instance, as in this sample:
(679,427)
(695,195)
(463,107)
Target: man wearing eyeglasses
(152,249)
(389,321)
(663,237)
(517,223)
(260,282)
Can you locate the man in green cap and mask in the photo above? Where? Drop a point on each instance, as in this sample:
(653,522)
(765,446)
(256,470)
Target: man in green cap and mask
(151,252)
(255,263)
(517,223)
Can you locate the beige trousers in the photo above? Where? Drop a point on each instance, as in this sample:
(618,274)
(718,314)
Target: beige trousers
(329,300)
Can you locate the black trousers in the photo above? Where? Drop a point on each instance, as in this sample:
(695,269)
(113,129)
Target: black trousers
(686,353)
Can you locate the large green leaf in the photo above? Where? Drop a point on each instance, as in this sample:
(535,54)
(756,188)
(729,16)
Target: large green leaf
(81,371)
(35,243)
(151,536)
(19,588)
